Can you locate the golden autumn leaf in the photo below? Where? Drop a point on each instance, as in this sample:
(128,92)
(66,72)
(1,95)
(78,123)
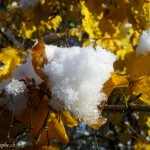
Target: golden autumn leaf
(47,125)
(99,124)
(141,146)
(139,72)
(115,81)
(68,120)
(10,58)
(50,147)
(39,58)
(27,29)
(89,22)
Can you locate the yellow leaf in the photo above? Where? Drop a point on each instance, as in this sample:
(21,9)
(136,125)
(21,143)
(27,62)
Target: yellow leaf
(110,42)
(10,57)
(113,82)
(56,22)
(39,58)
(68,120)
(51,147)
(139,72)
(27,29)
(99,124)
(55,130)
(89,22)
(141,146)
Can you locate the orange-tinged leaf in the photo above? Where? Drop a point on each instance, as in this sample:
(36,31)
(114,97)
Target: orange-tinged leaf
(39,58)
(68,120)
(43,120)
(99,124)
(113,82)
(10,58)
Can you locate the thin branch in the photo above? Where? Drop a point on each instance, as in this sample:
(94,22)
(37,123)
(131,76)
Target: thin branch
(115,108)
(6,37)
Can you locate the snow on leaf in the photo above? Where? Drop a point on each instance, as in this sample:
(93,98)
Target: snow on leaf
(73,72)
(144,43)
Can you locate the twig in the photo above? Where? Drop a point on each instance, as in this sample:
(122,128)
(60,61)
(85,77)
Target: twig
(12,118)
(6,37)
(130,107)
(44,126)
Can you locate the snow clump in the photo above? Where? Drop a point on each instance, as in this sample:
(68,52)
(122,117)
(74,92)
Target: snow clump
(144,43)
(76,78)
(15,87)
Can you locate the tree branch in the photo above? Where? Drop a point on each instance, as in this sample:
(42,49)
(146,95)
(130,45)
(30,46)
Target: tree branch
(130,107)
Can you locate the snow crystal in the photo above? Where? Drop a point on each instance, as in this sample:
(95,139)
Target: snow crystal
(49,49)
(76,77)
(15,87)
(144,43)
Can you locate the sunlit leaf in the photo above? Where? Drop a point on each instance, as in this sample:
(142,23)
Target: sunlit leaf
(113,82)
(10,58)
(139,72)
(68,120)
(39,58)
(142,146)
